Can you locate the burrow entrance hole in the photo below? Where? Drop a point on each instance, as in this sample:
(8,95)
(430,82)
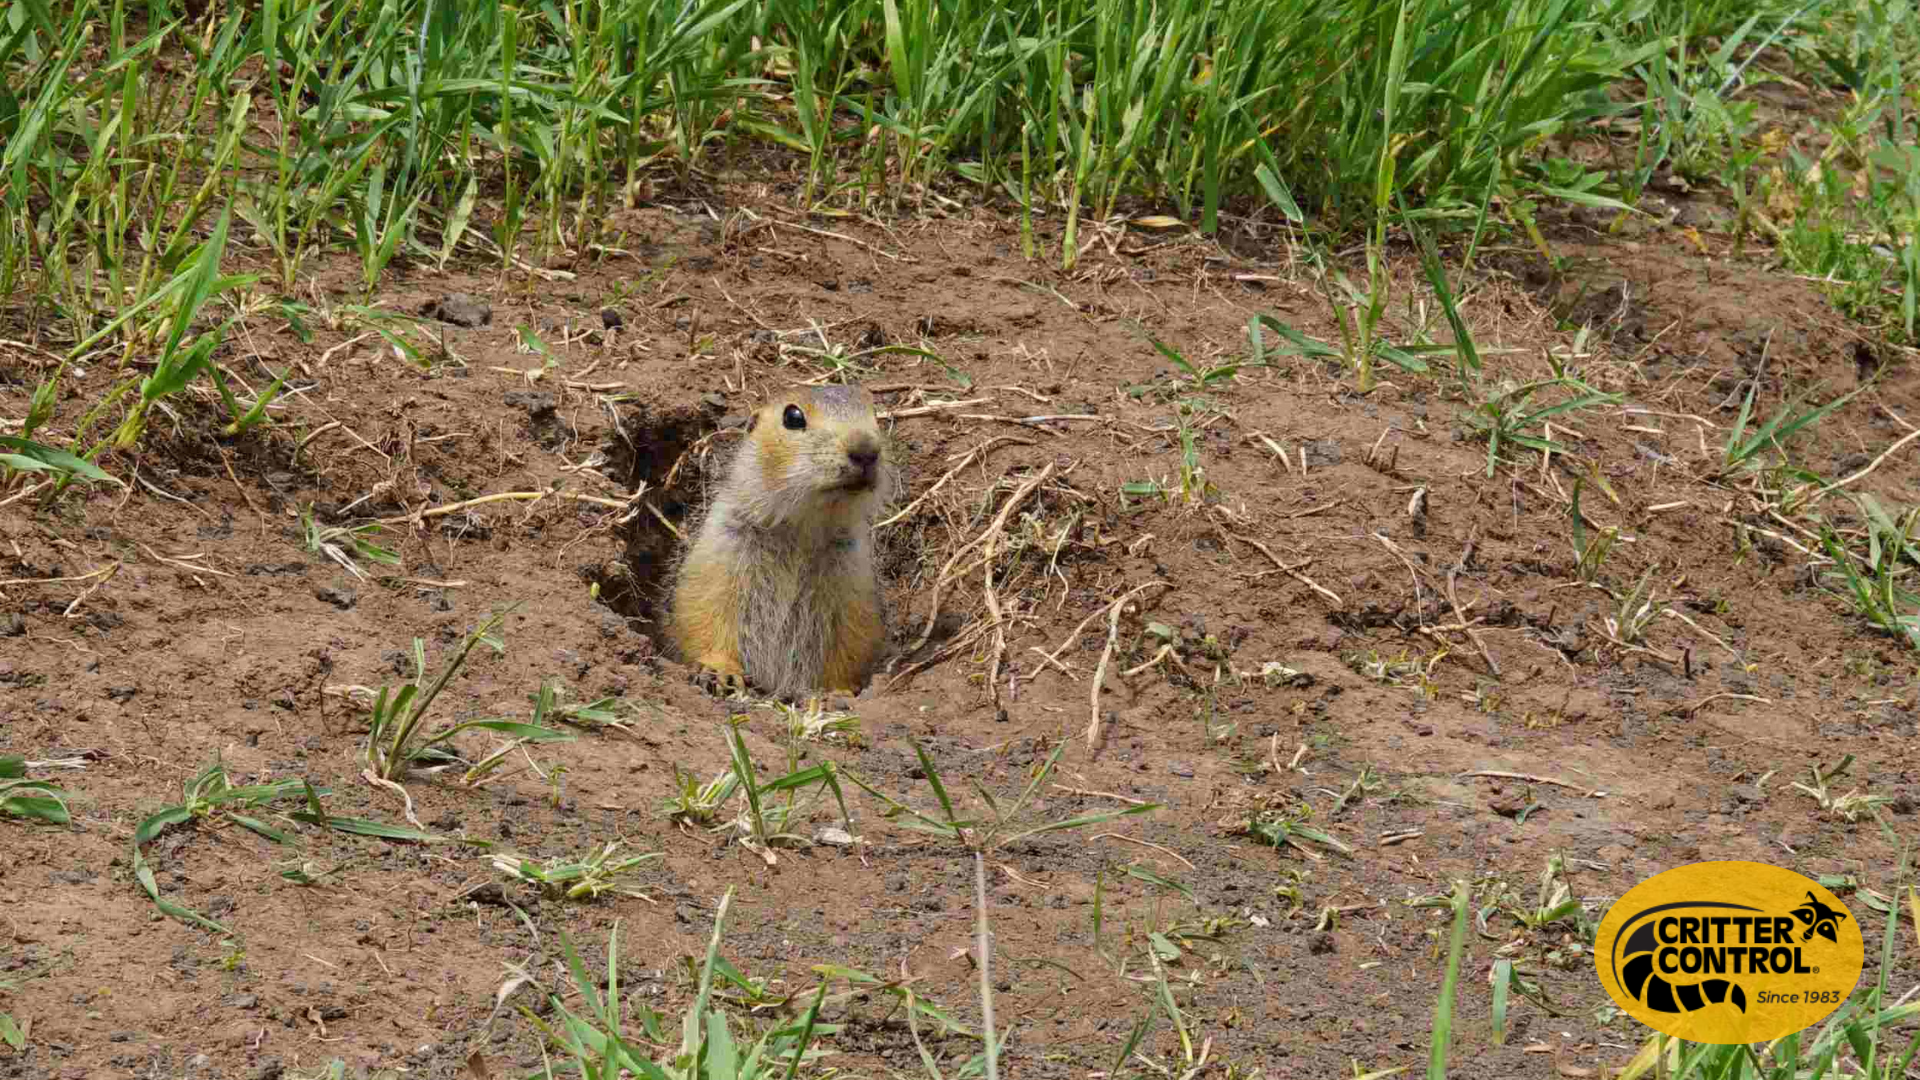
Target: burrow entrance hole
(660,447)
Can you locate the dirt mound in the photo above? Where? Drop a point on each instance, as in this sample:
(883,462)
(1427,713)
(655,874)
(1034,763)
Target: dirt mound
(1337,619)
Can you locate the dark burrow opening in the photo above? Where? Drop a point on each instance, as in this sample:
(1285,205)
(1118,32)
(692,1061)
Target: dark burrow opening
(660,446)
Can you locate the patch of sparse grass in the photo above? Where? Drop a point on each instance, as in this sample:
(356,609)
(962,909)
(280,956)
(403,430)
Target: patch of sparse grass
(550,704)
(595,1042)
(207,796)
(1848,807)
(1553,903)
(1361,341)
(342,543)
(1844,214)
(1198,378)
(546,710)
(187,353)
(1506,415)
(588,1023)
(307,872)
(1628,622)
(397,742)
(1362,312)
(1401,669)
(1875,581)
(1289,828)
(697,803)
(1696,127)
(1001,825)
(1365,783)
(762,824)
(575,879)
(1590,550)
(1191,487)
(814,722)
(314,814)
(23,797)
(1743,447)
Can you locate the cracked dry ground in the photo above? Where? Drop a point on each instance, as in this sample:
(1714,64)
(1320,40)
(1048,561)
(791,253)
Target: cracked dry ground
(221,634)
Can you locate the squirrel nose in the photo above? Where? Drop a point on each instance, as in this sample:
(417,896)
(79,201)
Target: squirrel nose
(865,457)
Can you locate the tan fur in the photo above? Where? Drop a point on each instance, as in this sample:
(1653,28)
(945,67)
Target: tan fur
(779,588)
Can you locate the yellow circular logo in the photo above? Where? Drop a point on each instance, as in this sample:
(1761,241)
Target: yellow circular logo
(1728,952)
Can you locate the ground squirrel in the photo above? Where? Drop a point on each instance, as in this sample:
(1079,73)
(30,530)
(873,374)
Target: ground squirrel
(779,590)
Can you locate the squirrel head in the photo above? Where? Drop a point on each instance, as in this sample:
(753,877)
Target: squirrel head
(814,452)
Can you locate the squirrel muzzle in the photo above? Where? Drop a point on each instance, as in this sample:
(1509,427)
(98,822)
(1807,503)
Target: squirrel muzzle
(861,471)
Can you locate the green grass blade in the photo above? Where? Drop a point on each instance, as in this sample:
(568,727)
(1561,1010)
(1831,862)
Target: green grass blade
(27,454)
(1083,820)
(1442,1039)
(366,827)
(933,780)
(1502,981)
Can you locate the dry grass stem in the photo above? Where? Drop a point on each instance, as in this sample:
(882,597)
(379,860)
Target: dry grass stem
(1100,795)
(1872,465)
(929,410)
(1106,656)
(1460,613)
(1035,421)
(1051,662)
(959,643)
(505,496)
(965,459)
(1692,707)
(1291,571)
(1277,451)
(1703,632)
(999,650)
(1165,651)
(1163,849)
(947,571)
(90,590)
(1534,779)
(26,491)
(53,580)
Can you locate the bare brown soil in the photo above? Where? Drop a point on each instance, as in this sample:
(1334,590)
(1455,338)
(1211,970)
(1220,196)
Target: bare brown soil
(221,635)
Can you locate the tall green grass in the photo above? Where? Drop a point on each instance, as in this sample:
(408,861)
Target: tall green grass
(1182,100)
(391,129)
(423,131)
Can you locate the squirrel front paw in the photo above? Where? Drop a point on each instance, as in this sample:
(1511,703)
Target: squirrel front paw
(718,677)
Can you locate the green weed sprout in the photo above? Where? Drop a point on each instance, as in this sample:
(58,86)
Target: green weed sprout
(396,740)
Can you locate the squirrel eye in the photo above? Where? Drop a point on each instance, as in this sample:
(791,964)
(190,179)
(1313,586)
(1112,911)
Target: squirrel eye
(794,419)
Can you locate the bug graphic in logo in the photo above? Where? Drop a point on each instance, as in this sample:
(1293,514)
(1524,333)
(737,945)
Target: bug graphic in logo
(1728,952)
(1639,948)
